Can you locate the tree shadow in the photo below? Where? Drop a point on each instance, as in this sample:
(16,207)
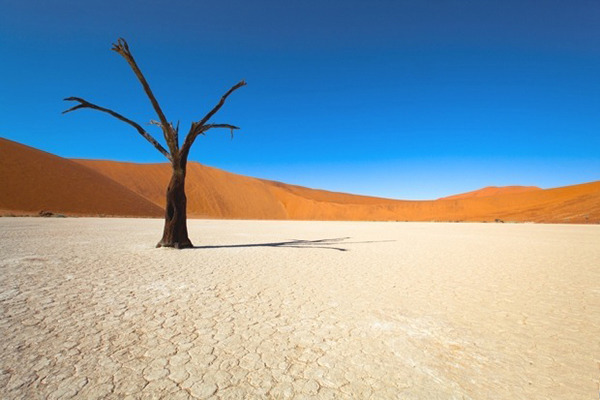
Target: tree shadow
(328,244)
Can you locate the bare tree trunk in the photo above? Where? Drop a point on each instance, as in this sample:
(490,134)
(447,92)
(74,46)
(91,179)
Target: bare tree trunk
(175,233)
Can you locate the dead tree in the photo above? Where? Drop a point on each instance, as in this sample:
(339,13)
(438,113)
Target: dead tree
(175,232)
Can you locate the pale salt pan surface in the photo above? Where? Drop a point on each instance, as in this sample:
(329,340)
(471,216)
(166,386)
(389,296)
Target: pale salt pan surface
(90,309)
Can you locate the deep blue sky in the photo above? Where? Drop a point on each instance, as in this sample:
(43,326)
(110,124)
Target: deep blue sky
(410,99)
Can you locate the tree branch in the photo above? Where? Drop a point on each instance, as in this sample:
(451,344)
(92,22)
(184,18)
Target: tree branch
(176,134)
(86,104)
(122,48)
(230,127)
(221,102)
(200,127)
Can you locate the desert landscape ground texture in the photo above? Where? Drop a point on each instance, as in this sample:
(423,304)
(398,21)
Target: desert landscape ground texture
(485,285)
(287,309)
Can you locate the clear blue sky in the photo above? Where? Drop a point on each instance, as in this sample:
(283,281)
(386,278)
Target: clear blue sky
(410,99)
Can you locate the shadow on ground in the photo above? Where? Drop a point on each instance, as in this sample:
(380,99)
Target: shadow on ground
(329,244)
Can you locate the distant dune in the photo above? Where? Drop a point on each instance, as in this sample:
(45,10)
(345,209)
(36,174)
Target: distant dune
(33,180)
(213,193)
(492,191)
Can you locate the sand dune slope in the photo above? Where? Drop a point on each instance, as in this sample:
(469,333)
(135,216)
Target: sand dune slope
(211,192)
(492,191)
(218,194)
(32,180)
(572,204)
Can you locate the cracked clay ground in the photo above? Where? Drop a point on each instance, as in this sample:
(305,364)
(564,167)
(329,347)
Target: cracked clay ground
(89,309)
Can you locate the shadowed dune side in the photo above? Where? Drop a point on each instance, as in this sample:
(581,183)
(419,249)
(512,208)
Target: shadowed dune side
(32,180)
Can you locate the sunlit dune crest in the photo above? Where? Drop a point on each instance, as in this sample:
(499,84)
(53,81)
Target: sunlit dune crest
(34,180)
(491,191)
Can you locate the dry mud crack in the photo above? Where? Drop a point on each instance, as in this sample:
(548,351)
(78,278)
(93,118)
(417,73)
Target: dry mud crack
(89,309)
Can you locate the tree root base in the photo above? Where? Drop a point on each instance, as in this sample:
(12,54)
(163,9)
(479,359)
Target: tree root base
(176,245)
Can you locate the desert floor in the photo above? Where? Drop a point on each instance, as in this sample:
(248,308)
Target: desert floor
(90,309)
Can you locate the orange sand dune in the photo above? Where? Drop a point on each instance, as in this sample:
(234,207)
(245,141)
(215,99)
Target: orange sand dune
(572,204)
(492,191)
(214,193)
(32,180)
(211,193)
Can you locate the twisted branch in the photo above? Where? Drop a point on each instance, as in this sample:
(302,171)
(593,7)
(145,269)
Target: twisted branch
(122,48)
(200,127)
(86,104)
(171,133)
(221,102)
(230,127)
(176,133)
